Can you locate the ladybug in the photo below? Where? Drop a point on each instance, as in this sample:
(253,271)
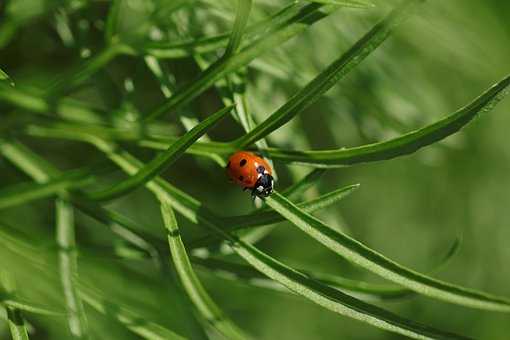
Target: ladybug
(251,172)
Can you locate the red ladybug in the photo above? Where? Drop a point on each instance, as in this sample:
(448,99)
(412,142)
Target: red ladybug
(251,172)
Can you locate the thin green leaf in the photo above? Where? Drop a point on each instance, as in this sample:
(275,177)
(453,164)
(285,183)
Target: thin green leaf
(331,75)
(68,268)
(367,258)
(242,272)
(299,283)
(161,161)
(112,22)
(243,12)
(261,218)
(403,145)
(196,292)
(27,192)
(16,302)
(276,35)
(86,69)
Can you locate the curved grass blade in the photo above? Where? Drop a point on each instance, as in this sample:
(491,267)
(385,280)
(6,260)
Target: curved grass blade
(27,192)
(160,162)
(16,302)
(190,281)
(243,12)
(331,75)
(369,259)
(275,35)
(242,272)
(322,295)
(68,268)
(403,145)
(112,21)
(262,218)
(85,70)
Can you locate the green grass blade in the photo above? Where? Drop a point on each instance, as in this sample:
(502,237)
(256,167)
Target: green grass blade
(162,161)
(16,302)
(243,272)
(369,259)
(262,218)
(196,292)
(243,12)
(86,70)
(335,300)
(324,296)
(277,34)
(331,75)
(68,268)
(403,145)
(27,192)
(112,22)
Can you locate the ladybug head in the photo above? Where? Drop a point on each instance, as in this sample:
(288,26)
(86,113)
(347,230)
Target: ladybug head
(264,186)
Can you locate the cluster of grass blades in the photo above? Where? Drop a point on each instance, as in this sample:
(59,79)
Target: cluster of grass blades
(54,114)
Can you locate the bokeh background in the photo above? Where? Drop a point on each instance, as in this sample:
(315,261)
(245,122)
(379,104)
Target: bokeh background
(411,209)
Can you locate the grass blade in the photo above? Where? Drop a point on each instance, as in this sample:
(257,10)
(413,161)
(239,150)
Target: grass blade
(276,35)
(324,296)
(68,268)
(369,259)
(242,272)
(16,302)
(262,218)
(403,145)
(243,12)
(160,162)
(190,281)
(331,75)
(27,192)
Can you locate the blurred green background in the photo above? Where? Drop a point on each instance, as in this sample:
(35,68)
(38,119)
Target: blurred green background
(410,209)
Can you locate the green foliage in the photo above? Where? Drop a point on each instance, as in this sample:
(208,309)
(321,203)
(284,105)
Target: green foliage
(132,84)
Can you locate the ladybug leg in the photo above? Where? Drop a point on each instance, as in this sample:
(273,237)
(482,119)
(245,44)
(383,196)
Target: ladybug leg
(245,188)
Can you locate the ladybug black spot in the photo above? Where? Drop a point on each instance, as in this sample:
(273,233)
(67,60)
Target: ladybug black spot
(243,162)
(241,178)
(261,169)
